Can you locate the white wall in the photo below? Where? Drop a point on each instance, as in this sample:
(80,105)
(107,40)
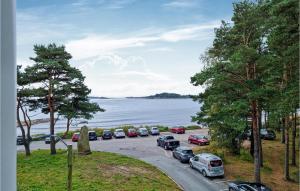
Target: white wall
(7,96)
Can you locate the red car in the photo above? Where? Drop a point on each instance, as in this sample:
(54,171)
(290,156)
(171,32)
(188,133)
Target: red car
(75,137)
(198,139)
(178,130)
(132,133)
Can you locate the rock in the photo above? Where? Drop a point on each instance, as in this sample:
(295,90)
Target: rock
(83,144)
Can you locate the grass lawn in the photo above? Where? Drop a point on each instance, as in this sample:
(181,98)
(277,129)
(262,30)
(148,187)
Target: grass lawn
(242,168)
(98,171)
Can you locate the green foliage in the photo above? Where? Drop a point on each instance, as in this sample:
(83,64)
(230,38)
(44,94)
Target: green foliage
(249,61)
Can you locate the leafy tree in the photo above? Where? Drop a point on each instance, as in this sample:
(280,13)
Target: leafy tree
(52,77)
(233,77)
(77,105)
(25,102)
(283,42)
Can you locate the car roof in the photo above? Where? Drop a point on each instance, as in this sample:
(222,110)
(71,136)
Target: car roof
(92,132)
(77,133)
(118,129)
(185,148)
(209,156)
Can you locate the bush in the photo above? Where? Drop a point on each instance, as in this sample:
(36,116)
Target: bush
(245,155)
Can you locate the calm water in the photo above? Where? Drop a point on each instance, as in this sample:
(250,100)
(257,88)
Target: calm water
(130,111)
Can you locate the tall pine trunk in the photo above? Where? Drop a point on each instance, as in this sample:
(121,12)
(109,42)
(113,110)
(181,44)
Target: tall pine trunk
(294,139)
(52,120)
(286,154)
(282,130)
(68,127)
(256,138)
(259,140)
(26,142)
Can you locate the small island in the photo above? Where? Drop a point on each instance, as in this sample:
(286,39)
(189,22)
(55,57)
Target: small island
(164,96)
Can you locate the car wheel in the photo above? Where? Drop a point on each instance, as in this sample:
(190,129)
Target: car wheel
(181,160)
(204,173)
(158,144)
(166,148)
(191,165)
(174,155)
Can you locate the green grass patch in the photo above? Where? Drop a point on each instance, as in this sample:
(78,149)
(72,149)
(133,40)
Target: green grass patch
(98,171)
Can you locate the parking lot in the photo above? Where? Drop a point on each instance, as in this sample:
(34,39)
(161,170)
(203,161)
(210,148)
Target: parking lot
(145,148)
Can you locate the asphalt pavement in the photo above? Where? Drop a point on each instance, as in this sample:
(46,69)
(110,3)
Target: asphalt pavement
(145,148)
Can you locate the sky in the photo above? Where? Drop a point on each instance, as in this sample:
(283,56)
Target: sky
(125,47)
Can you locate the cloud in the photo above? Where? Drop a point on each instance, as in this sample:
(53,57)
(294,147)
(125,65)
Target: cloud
(93,45)
(181,4)
(160,49)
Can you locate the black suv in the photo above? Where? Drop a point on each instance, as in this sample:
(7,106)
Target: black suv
(92,136)
(168,142)
(107,134)
(20,140)
(183,154)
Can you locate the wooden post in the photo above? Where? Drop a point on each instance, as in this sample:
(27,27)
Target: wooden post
(70,166)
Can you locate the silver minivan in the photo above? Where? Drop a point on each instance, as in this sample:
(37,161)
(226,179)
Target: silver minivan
(208,164)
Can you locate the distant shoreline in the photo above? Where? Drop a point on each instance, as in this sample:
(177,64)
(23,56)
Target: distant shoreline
(156,96)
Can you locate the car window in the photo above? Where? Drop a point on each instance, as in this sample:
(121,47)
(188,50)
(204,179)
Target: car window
(119,130)
(187,152)
(169,137)
(196,158)
(245,188)
(215,163)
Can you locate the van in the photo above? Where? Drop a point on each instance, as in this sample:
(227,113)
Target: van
(207,164)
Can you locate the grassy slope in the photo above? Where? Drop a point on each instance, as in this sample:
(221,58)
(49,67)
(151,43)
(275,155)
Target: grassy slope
(242,168)
(98,171)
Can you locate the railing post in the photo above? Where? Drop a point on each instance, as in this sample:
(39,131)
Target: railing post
(70,166)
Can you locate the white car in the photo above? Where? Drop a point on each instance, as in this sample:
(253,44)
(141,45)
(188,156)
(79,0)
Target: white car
(154,131)
(208,164)
(119,133)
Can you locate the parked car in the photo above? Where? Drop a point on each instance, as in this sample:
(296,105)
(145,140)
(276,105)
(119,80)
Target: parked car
(132,133)
(143,132)
(119,133)
(178,130)
(198,139)
(107,134)
(20,140)
(264,134)
(92,136)
(75,137)
(183,154)
(48,140)
(167,142)
(247,186)
(208,164)
(267,134)
(154,131)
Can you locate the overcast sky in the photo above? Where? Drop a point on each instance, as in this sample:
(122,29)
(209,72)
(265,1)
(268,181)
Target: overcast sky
(125,47)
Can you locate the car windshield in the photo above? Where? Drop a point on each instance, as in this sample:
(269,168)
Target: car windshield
(106,131)
(154,128)
(119,130)
(201,137)
(270,132)
(216,163)
(187,152)
(92,133)
(169,137)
